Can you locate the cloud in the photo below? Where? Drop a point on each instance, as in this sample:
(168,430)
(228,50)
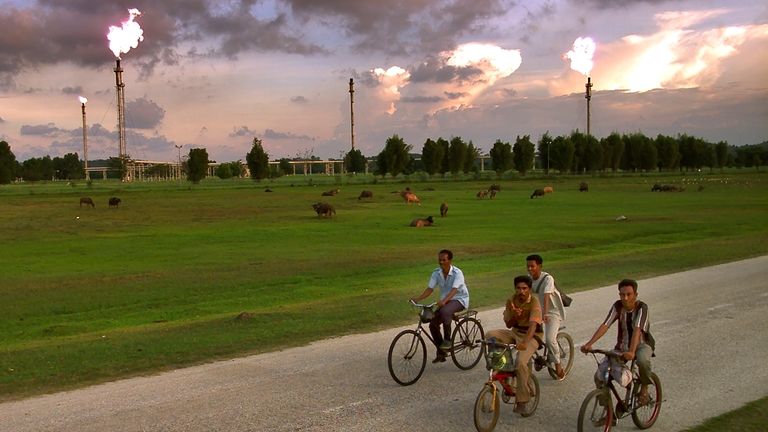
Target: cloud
(272,134)
(47,130)
(143,113)
(299,100)
(242,131)
(421,99)
(77,90)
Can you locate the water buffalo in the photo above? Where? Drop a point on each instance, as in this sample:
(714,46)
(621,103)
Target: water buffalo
(324,209)
(418,223)
(537,193)
(443,210)
(87,201)
(331,192)
(667,188)
(583,187)
(114,202)
(365,194)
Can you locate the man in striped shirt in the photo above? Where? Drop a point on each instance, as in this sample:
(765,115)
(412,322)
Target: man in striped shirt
(634,339)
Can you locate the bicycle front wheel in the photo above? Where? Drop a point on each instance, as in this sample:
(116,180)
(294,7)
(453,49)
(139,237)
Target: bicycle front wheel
(565,343)
(487,408)
(645,416)
(467,343)
(596,413)
(407,357)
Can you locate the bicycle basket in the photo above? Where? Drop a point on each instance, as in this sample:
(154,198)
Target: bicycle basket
(500,359)
(426,315)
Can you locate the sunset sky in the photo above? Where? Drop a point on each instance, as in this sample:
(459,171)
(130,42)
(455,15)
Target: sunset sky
(215,74)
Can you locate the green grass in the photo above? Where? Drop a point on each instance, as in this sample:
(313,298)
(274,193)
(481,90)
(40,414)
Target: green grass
(157,283)
(752,417)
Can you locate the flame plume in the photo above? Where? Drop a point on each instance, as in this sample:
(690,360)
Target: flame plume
(581,55)
(122,39)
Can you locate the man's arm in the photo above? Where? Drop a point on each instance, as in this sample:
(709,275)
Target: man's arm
(629,355)
(447,298)
(521,346)
(427,292)
(600,332)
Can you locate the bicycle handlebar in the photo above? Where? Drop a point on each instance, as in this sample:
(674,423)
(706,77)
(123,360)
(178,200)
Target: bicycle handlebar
(612,354)
(422,305)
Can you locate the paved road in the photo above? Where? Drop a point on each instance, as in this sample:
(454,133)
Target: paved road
(709,324)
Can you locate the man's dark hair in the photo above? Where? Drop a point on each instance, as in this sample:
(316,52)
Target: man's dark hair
(535,257)
(628,282)
(447,252)
(527,279)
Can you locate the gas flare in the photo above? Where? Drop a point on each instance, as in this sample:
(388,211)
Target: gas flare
(83,100)
(122,39)
(581,55)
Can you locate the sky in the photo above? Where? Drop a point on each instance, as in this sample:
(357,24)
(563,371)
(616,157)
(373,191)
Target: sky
(216,74)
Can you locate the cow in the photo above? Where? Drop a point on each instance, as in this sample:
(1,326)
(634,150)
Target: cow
(495,187)
(666,188)
(365,194)
(583,187)
(443,210)
(492,193)
(87,201)
(405,192)
(548,189)
(114,202)
(331,192)
(418,223)
(324,209)
(482,194)
(537,193)
(411,198)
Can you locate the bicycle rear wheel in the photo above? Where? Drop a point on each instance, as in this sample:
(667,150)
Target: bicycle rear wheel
(596,413)
(467,343)
(565,343)
(645,416)
(407,357)
(487,408)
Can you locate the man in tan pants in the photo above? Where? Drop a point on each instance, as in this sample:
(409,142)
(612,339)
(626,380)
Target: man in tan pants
(522,316)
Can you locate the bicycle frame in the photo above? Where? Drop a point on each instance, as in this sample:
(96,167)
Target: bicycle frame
(627,403)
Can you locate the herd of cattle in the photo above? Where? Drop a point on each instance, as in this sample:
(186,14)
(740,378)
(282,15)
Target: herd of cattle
(113,202)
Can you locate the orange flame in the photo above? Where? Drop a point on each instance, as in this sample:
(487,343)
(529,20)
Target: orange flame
(122,39)
(581,55)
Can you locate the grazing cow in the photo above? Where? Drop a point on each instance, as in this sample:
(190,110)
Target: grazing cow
(548,189)
(87,201)
(418,223)
(405,192)
(324,209)
(114,202)
(495,187)
(667,188)
(411,198)
(267,190)
(443,210)
(482,194)
(537,193)
(365,194)
(331,192)
(583,187)
(492,193)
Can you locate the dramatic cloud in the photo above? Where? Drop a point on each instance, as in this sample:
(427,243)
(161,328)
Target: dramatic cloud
(143,114)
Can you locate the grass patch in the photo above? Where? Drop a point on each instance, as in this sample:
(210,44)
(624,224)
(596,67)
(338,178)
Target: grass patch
(94,294)
(752,417)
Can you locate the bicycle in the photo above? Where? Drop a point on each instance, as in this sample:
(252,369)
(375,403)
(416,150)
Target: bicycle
(541,358)
(500,362)
(407,355)
(597,411)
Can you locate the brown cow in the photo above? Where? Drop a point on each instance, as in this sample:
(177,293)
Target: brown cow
(87,201)
(324,209)
(331,192)
(495,187)
(583,187)
(537,193)
(114,202)
(411,198)
(548,189)
(405,192)
(492,193)
(443,210)
(418,223)
(482,194)
(365,194)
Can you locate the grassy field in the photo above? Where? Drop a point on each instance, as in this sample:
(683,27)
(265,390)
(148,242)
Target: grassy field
(752,417)
(93,294)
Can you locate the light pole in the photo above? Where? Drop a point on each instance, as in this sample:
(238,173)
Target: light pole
(178,168)
(85,139)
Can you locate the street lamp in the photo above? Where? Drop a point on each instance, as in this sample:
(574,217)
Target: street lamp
(85,138)
(178,147)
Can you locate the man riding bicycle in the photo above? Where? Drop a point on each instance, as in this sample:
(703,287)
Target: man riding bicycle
(552,310)
(454,297)
(522,316)
(634,339)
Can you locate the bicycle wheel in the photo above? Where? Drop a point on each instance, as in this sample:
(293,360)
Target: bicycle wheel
(596,412)
(407,357)
(533,390)
(565,342)
(645,416)
(467,346)
(487,408)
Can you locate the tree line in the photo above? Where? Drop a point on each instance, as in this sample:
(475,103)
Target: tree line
(576,153)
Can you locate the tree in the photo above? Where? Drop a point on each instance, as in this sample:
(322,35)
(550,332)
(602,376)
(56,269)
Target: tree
(544,143)
(36,169)
(285,166)
(592,154)
(613,151)
(394,158)
(668,150)
(649,160)
(721,152)
(523,153)
(197,165)
(8,163)
(69,167)
(562,151)
(355,161)
(501,156)
(224,171)
(457,151)
(470,157)
(257,160)
(445,146)
(432,157)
